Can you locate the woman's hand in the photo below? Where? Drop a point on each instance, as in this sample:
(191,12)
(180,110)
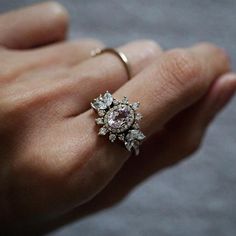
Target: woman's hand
(51,157)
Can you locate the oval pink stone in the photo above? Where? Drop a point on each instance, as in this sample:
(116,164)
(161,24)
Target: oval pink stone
(118,117)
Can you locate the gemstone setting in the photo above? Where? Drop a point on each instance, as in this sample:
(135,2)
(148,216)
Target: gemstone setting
(119,119)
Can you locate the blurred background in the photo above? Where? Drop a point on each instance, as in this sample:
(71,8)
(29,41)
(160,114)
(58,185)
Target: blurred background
(197,197)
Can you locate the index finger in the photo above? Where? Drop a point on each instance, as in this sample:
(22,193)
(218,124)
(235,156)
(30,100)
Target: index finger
(175,81)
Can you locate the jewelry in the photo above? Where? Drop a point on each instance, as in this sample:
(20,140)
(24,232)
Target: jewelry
(122,57)
(119,119)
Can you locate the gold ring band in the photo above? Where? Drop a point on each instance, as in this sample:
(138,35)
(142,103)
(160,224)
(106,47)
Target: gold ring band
(117,53)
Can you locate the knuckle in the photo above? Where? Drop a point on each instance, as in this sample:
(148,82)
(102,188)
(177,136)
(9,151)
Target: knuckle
(93,43)
(217,53)
(15,103)
(215,49)
(193,143)
(152,46)
(182,67)
(9,64)
(11,106)
(148,49)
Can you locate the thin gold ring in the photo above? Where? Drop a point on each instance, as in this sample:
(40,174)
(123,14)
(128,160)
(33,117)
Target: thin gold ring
(122,57)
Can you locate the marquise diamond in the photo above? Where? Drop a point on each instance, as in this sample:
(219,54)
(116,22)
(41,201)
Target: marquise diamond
(135,134)
(103,102)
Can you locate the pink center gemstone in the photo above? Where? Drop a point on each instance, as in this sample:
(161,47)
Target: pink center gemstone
(118,117)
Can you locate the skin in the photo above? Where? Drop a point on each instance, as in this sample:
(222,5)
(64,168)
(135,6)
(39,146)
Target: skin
(52,160)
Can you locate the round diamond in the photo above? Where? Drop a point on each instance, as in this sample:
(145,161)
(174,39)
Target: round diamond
(120,118)
(112,137)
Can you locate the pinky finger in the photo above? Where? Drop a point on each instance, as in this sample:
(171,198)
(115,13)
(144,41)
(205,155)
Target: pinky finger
(182,136)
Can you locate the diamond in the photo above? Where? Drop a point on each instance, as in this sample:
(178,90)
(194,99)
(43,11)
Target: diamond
(125,100)
(101,112)
(135,105)
(119,118)
(102,131)
(128,145)
(95,52)
(107,99)
(112,137)
(102,102)
(138,116)
(136,126)
(135,134)
(99,121)
(133,144)
(121,137)
(97,104)
(115,102)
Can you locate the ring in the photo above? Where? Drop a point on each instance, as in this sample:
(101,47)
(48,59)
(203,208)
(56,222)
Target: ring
(122,57)
(119,119)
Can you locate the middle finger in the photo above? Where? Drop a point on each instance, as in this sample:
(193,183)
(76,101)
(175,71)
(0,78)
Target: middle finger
(106,72)
(18,63)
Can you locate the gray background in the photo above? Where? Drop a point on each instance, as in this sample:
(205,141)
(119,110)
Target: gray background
(198,196)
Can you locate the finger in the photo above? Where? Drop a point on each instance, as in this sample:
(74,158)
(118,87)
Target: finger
(180,138)
(61,54)
(183,135)
(66,53)
(189,127)
(26,64)
(33,26)
(177,80)
(220,95)
(106,72)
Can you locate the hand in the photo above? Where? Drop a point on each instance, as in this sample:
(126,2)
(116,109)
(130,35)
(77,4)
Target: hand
(51,157)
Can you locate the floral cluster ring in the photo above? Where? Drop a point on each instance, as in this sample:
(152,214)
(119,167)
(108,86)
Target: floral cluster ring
(119,119)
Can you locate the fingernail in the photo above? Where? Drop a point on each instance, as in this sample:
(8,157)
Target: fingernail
(221,93)
(228,82)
